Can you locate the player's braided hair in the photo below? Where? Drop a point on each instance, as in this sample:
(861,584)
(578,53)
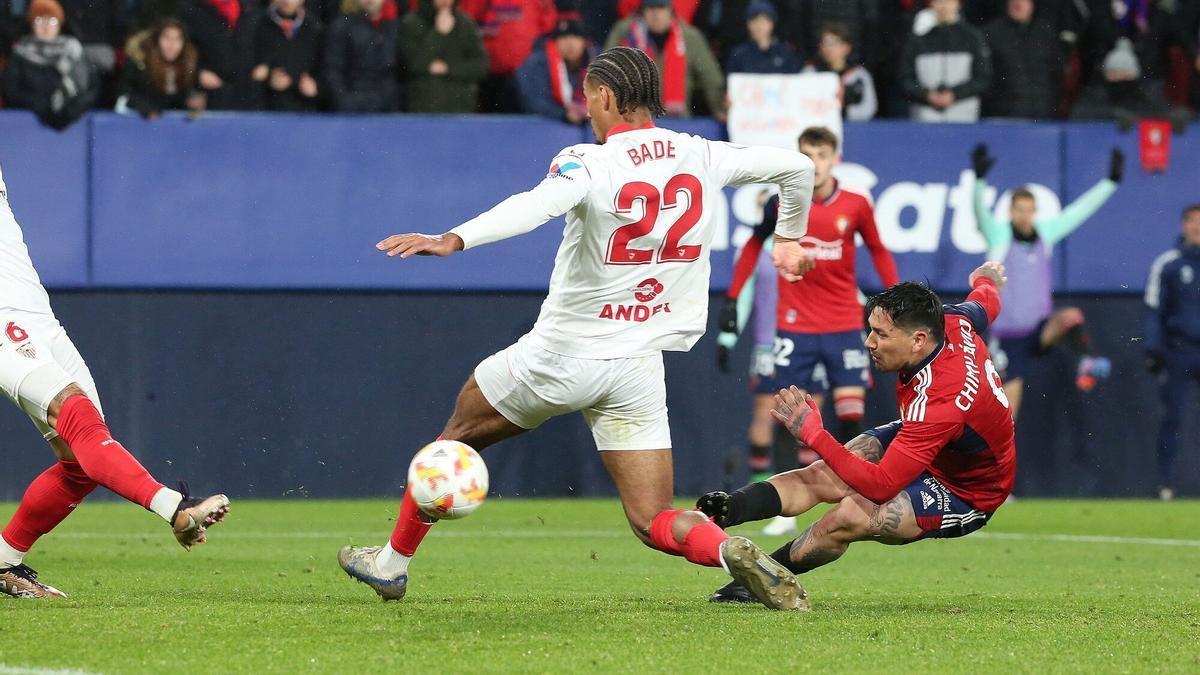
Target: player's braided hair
(912,305)
(633,78)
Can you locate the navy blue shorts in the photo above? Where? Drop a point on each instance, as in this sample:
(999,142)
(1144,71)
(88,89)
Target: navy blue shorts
(818,362)
(941,514)
(1014,356)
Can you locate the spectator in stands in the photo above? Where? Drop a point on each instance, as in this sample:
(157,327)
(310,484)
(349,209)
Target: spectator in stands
(100,26)
(551,79)
(859,18)
(1152,27)
(724,23)
(1122,94)
(684,9)
(597,17)
(858,89)
(682,55)
(945,71)
(763,52)
(509,29)
(1027,59)
(160,73)
(287,50)
(361,64)
(47,72)
(223,32)
(444,58)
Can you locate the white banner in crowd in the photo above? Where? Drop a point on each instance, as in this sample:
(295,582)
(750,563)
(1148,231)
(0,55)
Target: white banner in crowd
(774,109)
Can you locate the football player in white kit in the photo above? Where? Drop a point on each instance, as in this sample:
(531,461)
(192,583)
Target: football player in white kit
(631,280)
(43,373)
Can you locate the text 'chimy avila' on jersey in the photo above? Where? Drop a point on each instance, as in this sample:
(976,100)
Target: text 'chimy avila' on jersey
(631,276)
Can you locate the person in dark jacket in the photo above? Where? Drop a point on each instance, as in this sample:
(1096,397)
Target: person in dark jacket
(946,70)
(763,52)
(859,101)
(361,65)
(444,58)
(47,72)
(287,49)
(161,74)
(551,79)
(1027,59)
(1120,93)
(223,32)
(1172,337)
(860,18)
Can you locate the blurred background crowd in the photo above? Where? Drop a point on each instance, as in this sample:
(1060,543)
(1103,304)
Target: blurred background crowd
(929,60)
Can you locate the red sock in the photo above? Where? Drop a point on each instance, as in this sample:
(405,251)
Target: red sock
(661,534)
(410,528)
(702,545)
(48,500)
(104,459)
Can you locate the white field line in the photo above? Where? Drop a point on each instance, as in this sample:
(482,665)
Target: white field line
(23,670)
(449,531)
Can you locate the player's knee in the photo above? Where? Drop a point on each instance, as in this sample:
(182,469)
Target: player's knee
(847,521)
(684,523)
(640,519)
(55,406)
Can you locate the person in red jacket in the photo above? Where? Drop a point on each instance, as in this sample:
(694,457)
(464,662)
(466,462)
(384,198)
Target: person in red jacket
(509,29)
(940,471)
(819,319)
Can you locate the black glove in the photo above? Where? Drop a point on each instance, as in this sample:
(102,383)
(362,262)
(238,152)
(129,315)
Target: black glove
(727,319)
(1116,166)
(981,160)
(1155,362)
(723,358)
(854,93)
(715,505)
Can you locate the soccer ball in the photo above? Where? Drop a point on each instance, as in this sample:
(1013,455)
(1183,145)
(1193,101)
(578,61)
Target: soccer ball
(447,480)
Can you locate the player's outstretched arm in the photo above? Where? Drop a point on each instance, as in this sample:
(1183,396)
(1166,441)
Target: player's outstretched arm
(793,173)
(405,245)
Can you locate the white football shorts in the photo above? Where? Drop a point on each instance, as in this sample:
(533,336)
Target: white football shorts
(623,401)
(37,361)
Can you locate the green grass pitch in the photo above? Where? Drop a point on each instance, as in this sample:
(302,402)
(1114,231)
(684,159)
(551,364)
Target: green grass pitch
(561,586)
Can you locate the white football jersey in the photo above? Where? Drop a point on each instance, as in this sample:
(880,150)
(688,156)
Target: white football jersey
(632,274)
(20,286)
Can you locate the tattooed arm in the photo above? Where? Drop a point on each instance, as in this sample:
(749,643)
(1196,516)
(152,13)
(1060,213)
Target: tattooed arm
(867,446)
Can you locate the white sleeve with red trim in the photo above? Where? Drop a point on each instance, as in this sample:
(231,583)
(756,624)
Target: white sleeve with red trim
(565,186)
(790,170)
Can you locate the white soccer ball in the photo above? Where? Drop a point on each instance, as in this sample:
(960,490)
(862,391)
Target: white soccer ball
(447,480)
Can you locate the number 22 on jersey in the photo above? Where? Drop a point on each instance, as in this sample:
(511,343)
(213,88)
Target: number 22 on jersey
(672,249)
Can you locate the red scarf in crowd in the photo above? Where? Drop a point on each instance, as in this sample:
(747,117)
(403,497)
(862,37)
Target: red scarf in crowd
(674,63)
(560,77)
(389,12)
(230,10)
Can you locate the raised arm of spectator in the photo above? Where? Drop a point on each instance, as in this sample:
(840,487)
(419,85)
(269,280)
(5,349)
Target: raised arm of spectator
(981,71)
(1056,229)
(997,234)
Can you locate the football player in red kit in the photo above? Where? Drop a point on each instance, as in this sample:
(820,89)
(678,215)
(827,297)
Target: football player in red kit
(819,319)
(941,470)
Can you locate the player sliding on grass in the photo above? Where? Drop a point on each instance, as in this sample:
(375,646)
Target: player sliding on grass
(630,281)
(43,373)
(940,470)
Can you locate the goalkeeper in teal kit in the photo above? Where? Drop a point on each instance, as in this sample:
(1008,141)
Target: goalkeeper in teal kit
(1030,326)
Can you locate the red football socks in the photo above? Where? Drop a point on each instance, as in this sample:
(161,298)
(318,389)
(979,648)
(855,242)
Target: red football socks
(48,500)
(103,459)
(410,528)
(701,545)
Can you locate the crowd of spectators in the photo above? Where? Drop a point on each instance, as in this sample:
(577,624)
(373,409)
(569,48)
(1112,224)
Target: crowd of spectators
(930,60)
